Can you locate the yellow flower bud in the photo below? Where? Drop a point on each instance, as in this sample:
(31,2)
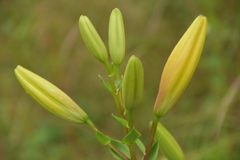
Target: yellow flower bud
(92,39)
(49,96)
(168,145)
(180,66)
(116,37)
(132,87)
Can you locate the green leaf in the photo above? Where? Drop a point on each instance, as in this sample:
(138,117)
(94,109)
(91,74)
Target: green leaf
(121,120)
(105,140)
(154,151)
(108,86)
(122,147)
(131,137)
(140,145)
(115,155)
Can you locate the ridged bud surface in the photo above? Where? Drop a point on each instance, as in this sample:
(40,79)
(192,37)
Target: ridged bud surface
(92,39)
(132,88)
(116,37)
(180,66)
(49,96)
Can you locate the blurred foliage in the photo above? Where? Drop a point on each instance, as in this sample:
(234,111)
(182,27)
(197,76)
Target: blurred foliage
(43,36)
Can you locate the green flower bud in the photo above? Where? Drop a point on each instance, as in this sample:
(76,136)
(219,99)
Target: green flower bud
(132,87)
(180,66)
(92,39)
(49,96)
(168,145)
(116,37)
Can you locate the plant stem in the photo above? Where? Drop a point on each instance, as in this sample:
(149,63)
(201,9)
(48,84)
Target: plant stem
(117,70)
(131,146)
(118,100)
(130,118)
(94,128)
(152,135)
(110,76)
(91,125)
(117,95)
(118,152)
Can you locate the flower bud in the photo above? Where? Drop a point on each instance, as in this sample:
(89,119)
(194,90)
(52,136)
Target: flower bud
(180,66)
(49,96)
(92,39)
(168,145)
(116,37)
(132,87)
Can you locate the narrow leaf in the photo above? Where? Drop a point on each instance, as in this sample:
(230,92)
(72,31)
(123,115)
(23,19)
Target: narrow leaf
(121,120)
(122,147)
(140,145)
(131,137)
(108,86)
(115,155)
(154,151)
(105,140)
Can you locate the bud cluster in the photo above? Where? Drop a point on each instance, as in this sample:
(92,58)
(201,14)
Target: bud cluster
(127,91)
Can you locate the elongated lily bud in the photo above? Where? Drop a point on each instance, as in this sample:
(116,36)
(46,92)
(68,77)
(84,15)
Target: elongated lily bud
(92,39)
(180,66)
(132,87)
(49,96)
(116,37)
(168,145)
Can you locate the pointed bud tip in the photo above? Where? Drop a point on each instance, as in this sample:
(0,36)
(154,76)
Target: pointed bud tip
(134,58)
(116,9)
(18,69)
(202,19)
(18,66)
(82,18)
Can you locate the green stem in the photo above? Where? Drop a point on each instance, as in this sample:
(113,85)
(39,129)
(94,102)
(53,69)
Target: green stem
(131,146)
(94,128)
(117,71)
(118,100)
(91,125)
(119,92)
(117,95)
(152,135)
(118,103)
(110,76)
(118,152)
(130,118)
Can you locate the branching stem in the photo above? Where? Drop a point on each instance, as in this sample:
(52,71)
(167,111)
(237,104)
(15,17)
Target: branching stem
(118,100)
(94,128)
(117,95)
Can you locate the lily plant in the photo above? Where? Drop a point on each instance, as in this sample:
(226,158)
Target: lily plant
(126,89)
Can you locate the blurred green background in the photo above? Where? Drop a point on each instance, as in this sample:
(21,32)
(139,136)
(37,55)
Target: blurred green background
(43,36)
